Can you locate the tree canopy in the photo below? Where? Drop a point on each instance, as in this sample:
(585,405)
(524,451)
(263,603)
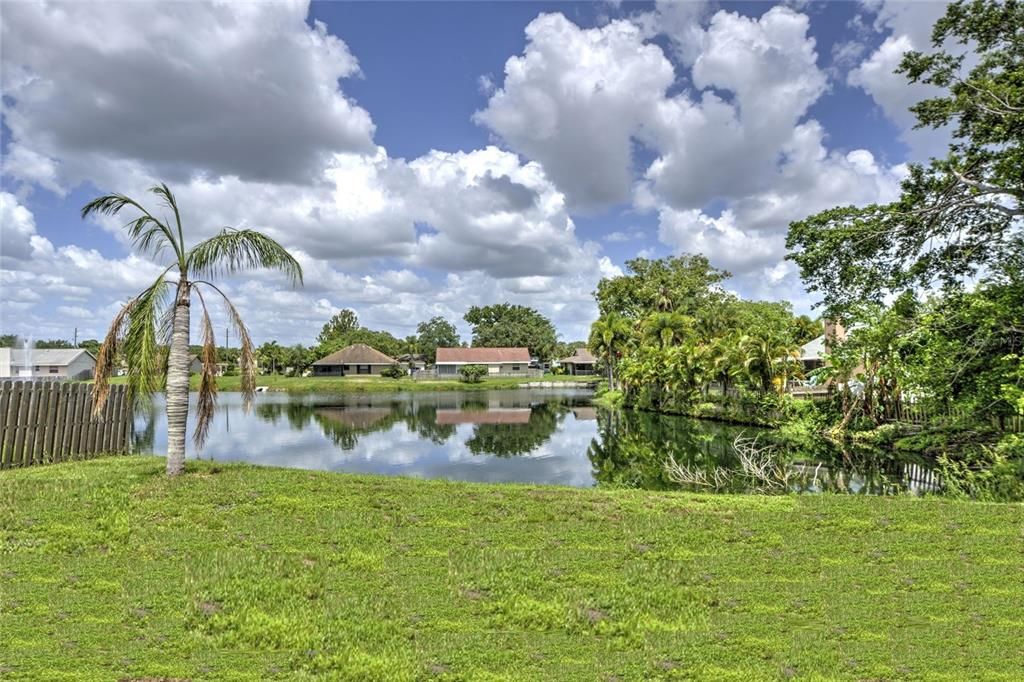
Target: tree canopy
(681,284)
(342,323)
(957,215)
(435,333)
(507,325)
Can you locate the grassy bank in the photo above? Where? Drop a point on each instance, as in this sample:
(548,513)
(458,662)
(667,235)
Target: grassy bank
(110,571)
(376,384)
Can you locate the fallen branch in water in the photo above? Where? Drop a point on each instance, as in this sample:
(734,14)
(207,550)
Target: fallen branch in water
(758,470)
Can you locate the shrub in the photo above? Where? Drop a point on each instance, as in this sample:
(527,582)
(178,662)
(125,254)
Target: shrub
(472,374)
(393,372)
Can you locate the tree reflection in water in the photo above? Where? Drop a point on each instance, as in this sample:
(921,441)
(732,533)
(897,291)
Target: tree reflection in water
(632,447)
(504,425)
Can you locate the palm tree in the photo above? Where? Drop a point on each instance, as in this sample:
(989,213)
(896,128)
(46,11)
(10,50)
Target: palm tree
(160,315)
(608,338)
(666,329)
(768,357)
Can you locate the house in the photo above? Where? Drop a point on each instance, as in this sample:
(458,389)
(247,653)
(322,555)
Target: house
(414,361)
(357,359)
(47,363)
(498,361)
(195,365)
(579,363)
(812,353)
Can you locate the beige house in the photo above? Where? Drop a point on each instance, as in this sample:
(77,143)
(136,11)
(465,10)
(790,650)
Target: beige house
(355,360)
(579,363)
(498,361)
(812,353)
(46,363)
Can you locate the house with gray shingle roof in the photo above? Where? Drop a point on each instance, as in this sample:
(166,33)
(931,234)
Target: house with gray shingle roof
(355,360)
(46,363)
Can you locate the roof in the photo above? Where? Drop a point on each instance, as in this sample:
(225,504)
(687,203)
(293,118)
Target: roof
(482,355)
(814,349)
(503,415)
(582,356)
(356,354)
(48,356)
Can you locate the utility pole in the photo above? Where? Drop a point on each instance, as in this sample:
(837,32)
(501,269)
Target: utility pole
(76,337)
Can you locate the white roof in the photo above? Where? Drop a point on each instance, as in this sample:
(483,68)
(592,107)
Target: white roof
(47,356)
(814,349)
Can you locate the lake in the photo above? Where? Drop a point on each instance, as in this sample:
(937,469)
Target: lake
(530,436)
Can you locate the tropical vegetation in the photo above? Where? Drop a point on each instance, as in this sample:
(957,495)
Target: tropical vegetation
(929,288)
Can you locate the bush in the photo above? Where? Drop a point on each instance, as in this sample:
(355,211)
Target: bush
(393,372)
(994,474)
(472,374)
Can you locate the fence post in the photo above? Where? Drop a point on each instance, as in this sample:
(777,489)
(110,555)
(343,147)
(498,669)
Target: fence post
(38,423)
(13,389)
(22,419)
(78,403)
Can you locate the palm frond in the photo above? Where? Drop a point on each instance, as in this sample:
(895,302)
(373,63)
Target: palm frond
(207,400)
(106,357)
(247,356)
(168,200)
(146,339)
(144,230)
(231,251)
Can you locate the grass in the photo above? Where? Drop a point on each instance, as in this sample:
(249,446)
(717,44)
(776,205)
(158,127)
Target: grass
(110,571)
(375,384)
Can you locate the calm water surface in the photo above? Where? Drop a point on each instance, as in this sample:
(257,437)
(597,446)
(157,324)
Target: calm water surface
(531,436)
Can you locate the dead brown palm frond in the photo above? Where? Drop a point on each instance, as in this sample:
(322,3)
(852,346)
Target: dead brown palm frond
(207,399)
(247,355)
(107,355)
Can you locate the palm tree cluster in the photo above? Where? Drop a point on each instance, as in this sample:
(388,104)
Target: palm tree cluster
(671,358)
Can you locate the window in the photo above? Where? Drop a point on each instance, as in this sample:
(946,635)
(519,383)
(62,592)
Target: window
(362,369)
(345,367)
(54,369)
(515,368)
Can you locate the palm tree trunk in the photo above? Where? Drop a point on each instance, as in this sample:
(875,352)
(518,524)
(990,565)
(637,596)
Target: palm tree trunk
(177,383)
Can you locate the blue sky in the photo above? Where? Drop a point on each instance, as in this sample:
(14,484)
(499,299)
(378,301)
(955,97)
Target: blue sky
(424,157)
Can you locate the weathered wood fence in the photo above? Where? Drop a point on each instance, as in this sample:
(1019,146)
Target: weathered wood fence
(43,422)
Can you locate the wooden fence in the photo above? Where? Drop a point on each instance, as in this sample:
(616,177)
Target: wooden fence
(43,422)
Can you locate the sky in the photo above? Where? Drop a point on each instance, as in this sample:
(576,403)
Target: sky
(419,158)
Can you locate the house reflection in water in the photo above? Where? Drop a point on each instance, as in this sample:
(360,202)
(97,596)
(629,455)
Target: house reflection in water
(514,415)
(500,423)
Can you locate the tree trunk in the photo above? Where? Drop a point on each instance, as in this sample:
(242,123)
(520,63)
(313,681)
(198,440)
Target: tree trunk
(177,383)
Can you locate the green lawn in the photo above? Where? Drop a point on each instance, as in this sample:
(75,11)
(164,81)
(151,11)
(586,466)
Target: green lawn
(109,571)
(378,384)
(375,384)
